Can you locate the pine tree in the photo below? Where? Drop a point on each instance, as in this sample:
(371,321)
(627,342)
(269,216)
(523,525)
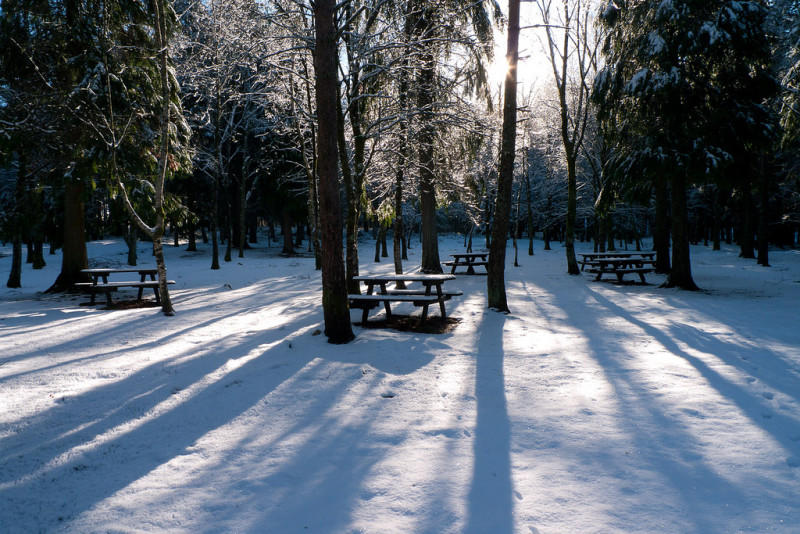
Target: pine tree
(683,96)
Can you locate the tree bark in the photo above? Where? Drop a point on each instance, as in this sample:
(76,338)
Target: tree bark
(763,215)
(495,281)
(661,231)
(681,274)
(746,236)
(427,135)
(334,285)
(74,256)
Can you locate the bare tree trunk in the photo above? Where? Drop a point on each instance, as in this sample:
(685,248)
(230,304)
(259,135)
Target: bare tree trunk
(133,240)
(681,273)
(427,177)
(763,214)
(74,255)
(661,238)
(353,198)
(15,276)
(334,284)
(496,290)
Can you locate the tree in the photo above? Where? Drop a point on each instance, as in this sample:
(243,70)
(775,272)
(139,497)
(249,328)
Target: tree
(334,287)
(434,28)
(683,97)
(163,18)
(574,62)
(496,290)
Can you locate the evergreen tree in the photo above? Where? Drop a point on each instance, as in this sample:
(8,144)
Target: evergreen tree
(683,95)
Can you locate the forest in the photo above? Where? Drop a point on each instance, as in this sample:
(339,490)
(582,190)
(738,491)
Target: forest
(274,157)
(184,119)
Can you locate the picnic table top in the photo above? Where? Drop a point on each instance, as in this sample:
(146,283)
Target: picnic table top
(470,254)
(599,255)
(109,270)
(411,277)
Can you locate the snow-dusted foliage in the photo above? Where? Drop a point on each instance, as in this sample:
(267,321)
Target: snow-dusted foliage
(685,70)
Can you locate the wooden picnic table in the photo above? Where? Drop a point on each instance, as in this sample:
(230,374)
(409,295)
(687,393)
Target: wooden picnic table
(100,283)
(620,266)
(590,258)
(470,260)
(430,292)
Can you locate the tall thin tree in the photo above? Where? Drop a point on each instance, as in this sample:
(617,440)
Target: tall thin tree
(334,287)
(496,290)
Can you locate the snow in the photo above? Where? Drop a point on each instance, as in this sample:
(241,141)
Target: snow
(592,407)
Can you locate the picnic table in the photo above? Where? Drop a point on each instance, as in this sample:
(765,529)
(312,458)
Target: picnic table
(470,260)
(430,292)
(590,258)
(100,283)
(619,264)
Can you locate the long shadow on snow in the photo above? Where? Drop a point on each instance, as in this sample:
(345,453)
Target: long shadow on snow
(208,409)
(784,429)
(46,438)
(490,503)
(141,324)
(635,399)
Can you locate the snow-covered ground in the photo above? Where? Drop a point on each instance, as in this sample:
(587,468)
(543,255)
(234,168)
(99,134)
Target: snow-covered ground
(592,407)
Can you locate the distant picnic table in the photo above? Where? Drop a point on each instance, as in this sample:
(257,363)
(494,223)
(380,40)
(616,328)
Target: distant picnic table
(100,283)
(470,260)
(618,264)
(430,292)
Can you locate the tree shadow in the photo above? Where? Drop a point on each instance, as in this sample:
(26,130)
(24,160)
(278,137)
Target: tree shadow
(490,497)
(89,448)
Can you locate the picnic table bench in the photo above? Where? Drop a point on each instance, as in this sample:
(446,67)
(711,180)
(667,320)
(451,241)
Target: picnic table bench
(100,283)
(619,264)
(470,260)
(431,292)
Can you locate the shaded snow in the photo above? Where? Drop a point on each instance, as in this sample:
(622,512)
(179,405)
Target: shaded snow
(593,407)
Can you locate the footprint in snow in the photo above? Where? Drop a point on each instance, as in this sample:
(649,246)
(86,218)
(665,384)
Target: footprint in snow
(767,395)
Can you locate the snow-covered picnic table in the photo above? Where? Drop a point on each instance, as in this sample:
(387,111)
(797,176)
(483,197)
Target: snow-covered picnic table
(431,292)
(618,263)
(104,286)
(470,260)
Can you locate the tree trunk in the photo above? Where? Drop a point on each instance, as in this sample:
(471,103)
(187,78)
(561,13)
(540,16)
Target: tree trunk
(132,244)
(661,237)
(334,284)
(572,208)
(763,215)
(214,227)
(427,135)
(15,276)
(74,256)
(495,283)
(746,236)
(286,230)
(353,199)
(38,253)
(681,273)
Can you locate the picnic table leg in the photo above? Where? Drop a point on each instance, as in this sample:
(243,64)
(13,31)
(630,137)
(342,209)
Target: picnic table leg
(108,297)
(455,264)
(364,314)
(386,304)
(441,300)
(641,275)
(95,279)
(141,289)
(619,277)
